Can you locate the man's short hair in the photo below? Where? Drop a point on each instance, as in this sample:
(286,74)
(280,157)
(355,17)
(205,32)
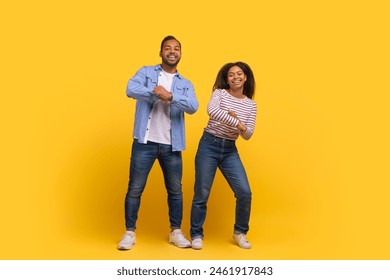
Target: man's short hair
(169,37)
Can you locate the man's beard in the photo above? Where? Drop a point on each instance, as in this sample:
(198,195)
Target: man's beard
(167,62)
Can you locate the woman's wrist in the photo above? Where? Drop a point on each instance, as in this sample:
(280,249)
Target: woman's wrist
(241,127)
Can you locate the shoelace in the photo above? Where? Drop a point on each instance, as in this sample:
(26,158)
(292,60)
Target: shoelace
(242,239)
(129,236)
(179,235)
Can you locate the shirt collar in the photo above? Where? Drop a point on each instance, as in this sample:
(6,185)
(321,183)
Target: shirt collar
(159,68)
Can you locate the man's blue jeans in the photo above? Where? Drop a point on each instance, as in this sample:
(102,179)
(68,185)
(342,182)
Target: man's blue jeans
(216,152)
(142,158)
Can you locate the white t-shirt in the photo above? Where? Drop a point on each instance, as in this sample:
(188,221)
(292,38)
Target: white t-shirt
(159,123)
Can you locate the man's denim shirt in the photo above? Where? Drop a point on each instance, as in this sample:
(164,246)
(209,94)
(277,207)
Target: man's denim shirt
(140,87)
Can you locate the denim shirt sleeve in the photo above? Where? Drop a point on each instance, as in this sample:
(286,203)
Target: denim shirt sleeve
(141,85)
(184,96)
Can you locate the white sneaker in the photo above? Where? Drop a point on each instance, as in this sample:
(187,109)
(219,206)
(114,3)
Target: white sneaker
(197,243)
(240,239)
(176,237)
(128,241)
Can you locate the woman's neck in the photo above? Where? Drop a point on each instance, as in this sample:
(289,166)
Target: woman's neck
(237,93)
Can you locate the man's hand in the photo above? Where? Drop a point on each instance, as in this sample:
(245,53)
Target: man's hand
(162,93)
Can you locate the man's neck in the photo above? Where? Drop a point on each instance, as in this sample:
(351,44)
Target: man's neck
(168,68)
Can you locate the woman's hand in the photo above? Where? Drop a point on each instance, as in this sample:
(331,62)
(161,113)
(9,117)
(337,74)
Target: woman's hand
(240,126)
(233,114)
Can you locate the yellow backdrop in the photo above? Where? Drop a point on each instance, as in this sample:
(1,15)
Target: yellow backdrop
(318,162)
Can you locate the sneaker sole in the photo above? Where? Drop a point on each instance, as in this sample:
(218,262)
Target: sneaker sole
(174,244)
(125,248)
(244,247)
(250,246)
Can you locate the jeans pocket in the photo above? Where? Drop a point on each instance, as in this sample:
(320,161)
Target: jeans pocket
(208,139)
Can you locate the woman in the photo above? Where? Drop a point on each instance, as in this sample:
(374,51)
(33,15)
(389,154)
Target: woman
(232,114)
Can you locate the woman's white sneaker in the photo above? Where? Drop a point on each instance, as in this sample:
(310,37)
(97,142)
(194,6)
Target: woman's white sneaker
(176,237)
(128,241)
(240,239)
(197,243)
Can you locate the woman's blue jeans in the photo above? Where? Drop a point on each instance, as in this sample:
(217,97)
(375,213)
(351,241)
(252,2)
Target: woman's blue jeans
(142,158)
(216,152)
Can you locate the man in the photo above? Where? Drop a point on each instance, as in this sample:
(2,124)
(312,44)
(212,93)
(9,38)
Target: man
(162,95)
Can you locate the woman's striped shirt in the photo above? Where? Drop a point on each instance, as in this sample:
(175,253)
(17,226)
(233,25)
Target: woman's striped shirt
(221,124)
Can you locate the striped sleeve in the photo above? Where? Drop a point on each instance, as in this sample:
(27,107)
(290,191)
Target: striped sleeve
(217,113)
(250,123)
